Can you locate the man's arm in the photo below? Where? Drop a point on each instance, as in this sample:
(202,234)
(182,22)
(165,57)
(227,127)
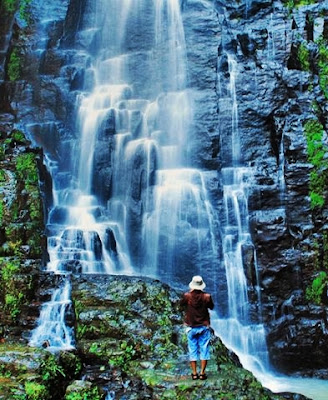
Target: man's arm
(209,301)
(183,300)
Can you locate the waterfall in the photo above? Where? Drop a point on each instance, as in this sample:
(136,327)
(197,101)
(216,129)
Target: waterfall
(240,326)
(126,197)
(281,170)
(52,330)
(271,40)
(238,330)
(127,200)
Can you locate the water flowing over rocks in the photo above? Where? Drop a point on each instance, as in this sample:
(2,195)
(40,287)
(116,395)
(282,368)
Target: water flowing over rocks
(275,98)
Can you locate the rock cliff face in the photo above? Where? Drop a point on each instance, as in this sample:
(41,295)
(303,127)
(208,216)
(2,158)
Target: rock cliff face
(275,101)
(277,92)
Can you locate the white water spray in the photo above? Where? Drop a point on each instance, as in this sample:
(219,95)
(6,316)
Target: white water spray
(52,331)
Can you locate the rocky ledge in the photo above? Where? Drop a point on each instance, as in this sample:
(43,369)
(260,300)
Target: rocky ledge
(130,344)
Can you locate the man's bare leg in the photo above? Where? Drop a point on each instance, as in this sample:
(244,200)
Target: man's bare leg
(203,364)
(193,365)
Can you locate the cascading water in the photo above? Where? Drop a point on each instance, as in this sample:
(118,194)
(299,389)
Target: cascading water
(238,331)
(53,332)
(244,334)
(132,130)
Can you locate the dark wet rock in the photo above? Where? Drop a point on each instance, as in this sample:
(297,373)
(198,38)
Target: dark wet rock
(132,343)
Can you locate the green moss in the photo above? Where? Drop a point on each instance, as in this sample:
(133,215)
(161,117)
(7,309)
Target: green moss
(317,151)
(13,303)
(70,363)
(304,57)
(3,176)
(12,297)
(128,351)
(24,10)
(2,210)
(26,168)
(2,152)
(325,250)
(8,270)
(36,391)
(14,65)
(34,205)
(10,6)
(298,3)
(315,291)
(50,370)
(83,393)
(14,234)
(323,66)
(18,136)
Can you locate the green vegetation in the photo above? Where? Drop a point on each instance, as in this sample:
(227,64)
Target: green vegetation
(304,57)
(316,290)
(128,353)
(13,298)
(2,210)
(36,391)
(23,10)
(50,370)
(298,3)
(10,6)
(21,214)
(323,66)
(26,168)
(14,65)
(92,393)
(17,136)
(316,154)
(325,250)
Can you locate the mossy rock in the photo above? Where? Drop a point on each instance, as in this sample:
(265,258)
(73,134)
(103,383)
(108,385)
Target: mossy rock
(83,390)
(19,364)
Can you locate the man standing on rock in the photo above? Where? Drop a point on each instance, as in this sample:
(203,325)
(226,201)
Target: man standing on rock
(197,318)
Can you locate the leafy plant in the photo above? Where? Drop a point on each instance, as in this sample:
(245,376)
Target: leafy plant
(13,298)
(13,303)
(9,269)
(18,136)
(36,391)
(26,168)
(316,155)
(50,369)
(323,66)
(315,291)
(85,394)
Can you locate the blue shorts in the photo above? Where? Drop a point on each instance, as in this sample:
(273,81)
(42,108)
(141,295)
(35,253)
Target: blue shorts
(199,343)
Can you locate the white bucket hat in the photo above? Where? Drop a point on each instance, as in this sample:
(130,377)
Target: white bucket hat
(197,283)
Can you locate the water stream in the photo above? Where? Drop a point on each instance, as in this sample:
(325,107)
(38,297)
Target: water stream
(238,331)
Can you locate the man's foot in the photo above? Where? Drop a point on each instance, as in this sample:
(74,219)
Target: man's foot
(194,376)
(203,376)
